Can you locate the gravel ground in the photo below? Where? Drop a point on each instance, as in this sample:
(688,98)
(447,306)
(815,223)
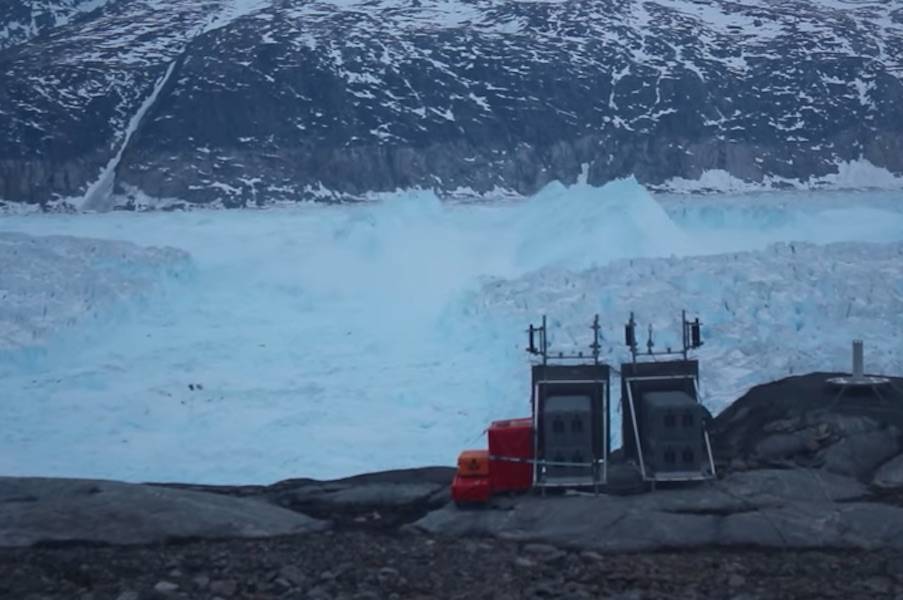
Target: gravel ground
(371,564)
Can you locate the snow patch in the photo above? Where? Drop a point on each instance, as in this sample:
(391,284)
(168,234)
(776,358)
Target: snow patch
(231,10)
(850,175)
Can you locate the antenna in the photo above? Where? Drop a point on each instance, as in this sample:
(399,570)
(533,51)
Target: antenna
(538,343)
(595,345)
(696,339)
(630,336)
(692,338)
(543,348)
(692,333)
(544,341)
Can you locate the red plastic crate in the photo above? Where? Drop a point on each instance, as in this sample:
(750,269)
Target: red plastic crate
(513,440)
(471,490)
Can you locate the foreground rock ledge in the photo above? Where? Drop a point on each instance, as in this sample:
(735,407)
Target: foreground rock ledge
(792,508)
(767,508)
(47,511)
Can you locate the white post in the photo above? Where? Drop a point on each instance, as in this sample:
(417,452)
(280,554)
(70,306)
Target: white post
(858,368)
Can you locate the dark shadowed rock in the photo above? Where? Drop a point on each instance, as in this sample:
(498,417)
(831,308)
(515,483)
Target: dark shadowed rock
(24,20)
(383,500)
(890,474)
(804,420)
(783,445)
(55,511)
(380,499)
(859,454)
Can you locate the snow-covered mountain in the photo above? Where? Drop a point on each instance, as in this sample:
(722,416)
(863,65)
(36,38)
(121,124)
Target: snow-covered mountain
(244,101)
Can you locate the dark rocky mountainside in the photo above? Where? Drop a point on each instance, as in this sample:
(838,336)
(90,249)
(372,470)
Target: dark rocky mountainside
(22,20)
(250,101)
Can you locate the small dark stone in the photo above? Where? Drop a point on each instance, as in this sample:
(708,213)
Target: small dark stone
(879,584)
(224,587)
(293,575)
(319,593)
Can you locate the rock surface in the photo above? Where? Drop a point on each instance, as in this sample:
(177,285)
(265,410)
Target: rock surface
(806,421)
(794,508)
(56,511)
(381,500)
(23,20)
(239,103)
(769,508)
(827,449)
(890,475)
(364,565)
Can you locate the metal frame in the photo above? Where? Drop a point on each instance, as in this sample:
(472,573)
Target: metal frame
(543,352)
(543,349)
(595,480)
(671,476)
(857,378)
(691,334)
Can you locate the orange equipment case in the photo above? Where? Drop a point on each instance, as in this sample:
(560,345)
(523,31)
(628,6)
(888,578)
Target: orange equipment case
(510,451)
(473,463)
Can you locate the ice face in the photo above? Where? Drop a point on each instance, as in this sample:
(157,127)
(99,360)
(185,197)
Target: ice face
(323,341)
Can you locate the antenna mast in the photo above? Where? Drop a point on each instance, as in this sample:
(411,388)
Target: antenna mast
(691,334)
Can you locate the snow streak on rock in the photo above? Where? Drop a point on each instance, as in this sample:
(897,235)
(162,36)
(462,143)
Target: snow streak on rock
(98,195)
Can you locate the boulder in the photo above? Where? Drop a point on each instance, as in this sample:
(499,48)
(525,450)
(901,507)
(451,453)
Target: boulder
(389,497)
(858,455)
(890,474)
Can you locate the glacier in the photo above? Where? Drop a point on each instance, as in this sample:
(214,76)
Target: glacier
(326,340)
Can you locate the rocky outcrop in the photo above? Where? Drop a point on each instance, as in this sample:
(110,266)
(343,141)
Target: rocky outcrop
(797,466)
(23,20)
(384,500)
(805,421)
(770,508)
(890,475)
(795,508)
(70,511)
(286,100)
